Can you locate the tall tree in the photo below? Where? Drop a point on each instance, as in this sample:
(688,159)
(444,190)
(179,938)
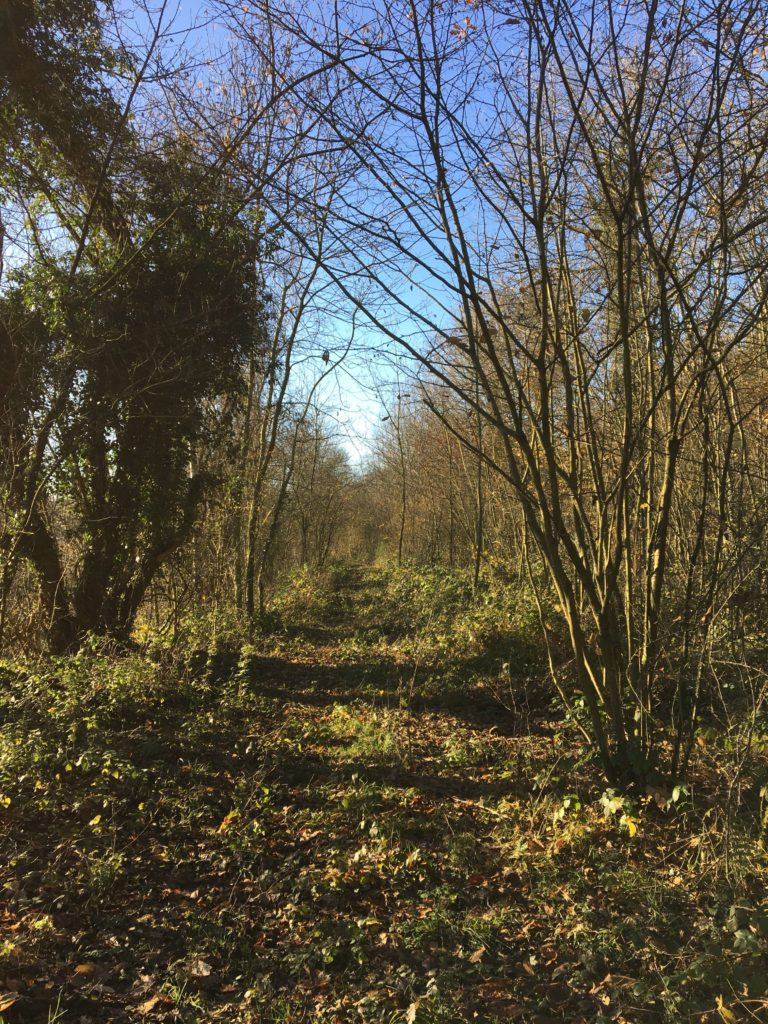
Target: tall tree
(560,211)
(133,300)
(138,359)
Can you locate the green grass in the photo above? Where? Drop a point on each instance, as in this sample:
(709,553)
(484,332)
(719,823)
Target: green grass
(319,834)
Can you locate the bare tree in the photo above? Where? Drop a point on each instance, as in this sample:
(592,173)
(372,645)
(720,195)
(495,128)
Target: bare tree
(565,205)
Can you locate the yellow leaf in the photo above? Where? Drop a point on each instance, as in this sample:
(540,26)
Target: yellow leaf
(411,1012)
(630,824)
(95,820)
(228,821)
(149,1004)
(725,1013)
(7,999)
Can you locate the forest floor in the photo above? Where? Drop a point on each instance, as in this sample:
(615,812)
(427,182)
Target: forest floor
(328,828)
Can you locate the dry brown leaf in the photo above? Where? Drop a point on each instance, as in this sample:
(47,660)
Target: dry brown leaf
(86,974)
(7,999)
(156,1000)
(413,1009)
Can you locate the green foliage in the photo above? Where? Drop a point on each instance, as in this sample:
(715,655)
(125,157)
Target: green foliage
(209,629)
(419,596)
(56,106)
(310,595)
(136,351)
(124,326)
(440,603)
(371,735)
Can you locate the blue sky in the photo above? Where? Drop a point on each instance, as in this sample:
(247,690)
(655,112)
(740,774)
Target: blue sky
(351,396)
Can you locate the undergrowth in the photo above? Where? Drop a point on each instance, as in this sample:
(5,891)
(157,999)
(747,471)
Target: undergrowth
(323,827)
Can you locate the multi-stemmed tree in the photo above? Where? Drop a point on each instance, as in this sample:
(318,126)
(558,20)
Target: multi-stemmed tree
(560,212)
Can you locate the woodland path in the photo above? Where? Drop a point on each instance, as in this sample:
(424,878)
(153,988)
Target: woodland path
(328,830)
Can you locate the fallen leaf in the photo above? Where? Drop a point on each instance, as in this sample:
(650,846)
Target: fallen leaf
(86,974)
(156,1000)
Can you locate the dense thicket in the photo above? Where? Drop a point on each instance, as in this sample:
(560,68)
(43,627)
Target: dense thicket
(132,301)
